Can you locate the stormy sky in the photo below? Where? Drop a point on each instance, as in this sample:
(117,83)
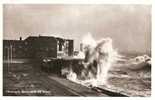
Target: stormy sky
(128,25)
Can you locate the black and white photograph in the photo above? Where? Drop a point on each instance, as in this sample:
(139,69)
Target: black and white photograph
(77,50)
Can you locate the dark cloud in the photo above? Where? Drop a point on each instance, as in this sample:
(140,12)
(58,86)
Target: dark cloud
(128,25)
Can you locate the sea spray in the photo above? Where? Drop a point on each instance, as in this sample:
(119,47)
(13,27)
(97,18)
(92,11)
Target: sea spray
(99,57)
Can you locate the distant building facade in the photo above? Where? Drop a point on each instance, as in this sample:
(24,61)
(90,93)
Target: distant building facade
(38,47)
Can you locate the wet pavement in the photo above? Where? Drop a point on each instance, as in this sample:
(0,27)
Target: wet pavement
(27,79)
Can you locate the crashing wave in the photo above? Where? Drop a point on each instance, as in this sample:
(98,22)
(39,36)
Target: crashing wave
(99,57)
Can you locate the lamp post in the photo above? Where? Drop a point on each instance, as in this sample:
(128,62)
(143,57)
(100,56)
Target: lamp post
(8,54)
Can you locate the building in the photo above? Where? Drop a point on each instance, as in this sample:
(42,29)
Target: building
(38,47)
(41,46)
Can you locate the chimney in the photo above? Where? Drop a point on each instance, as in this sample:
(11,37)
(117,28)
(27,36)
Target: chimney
(20,38)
